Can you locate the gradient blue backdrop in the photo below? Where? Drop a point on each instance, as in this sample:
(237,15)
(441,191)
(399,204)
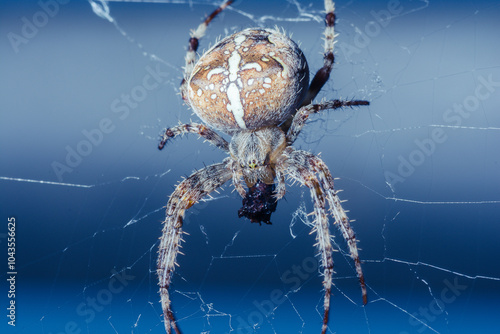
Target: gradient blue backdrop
(87,237)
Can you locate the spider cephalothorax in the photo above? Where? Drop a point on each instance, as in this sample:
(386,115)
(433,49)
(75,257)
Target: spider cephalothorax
(254,86)
(257,152)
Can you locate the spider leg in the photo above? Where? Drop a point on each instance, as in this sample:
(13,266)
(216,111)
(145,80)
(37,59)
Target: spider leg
(203,131)
(298,170)
(196,35)
(280,185)
(237,178)
(338,213)
(186,194)
(323,73)
(302,167)
(303,113)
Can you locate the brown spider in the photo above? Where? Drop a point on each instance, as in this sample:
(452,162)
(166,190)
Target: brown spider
(254,86)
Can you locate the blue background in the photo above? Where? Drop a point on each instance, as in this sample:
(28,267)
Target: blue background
(434,228)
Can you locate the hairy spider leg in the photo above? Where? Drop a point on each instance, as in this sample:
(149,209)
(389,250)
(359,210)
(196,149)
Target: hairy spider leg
(194,40)
(202,130)
(323,74)
(339,214)
(186,194)
(311,171)
(237,178)
(280,185)
(303,114)
(298,170)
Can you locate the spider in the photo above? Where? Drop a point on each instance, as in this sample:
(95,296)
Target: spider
(254,86)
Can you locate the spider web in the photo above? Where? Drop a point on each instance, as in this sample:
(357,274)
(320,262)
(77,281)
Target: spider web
(83,178)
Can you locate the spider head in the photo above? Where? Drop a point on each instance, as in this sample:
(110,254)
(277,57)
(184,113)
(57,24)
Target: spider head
(256,152)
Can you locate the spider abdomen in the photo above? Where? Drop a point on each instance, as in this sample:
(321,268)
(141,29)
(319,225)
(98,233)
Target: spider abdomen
(251,79)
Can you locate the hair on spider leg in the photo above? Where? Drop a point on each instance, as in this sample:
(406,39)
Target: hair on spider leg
(165,135)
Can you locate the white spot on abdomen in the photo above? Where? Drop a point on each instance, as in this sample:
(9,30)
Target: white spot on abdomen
(240,39)
(234,105)
(249,66)
(214,72)
(234,65)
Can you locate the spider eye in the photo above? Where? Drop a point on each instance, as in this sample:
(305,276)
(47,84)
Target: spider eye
(252,163)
